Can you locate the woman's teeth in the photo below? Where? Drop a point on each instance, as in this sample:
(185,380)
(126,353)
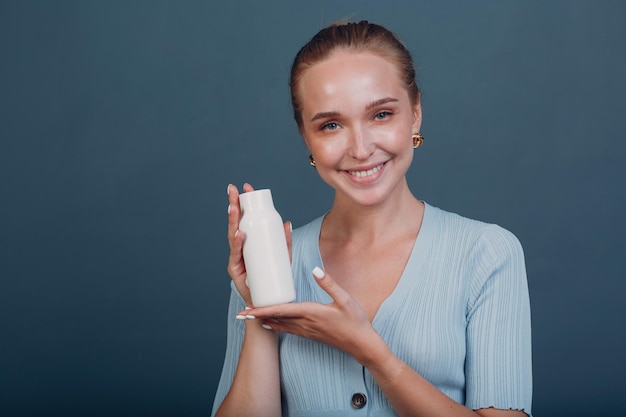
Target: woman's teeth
(365,173)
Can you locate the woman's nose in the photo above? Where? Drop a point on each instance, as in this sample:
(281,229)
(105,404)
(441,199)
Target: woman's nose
(361,145)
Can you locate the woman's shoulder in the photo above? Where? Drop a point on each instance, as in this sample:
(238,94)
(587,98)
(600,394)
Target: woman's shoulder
(490,237)
(489,251)
(310,230)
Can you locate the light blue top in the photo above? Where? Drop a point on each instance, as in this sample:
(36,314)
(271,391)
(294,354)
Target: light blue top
(459,316)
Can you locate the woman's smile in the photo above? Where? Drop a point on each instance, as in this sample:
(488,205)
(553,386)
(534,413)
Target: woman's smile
(366,175)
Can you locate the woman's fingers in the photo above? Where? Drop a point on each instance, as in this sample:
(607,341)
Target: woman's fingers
(235,238)
(340,298)
(235,260)
(328,284)
(234,208)
(236,267)
(280,311)
(293,310)
(234,211)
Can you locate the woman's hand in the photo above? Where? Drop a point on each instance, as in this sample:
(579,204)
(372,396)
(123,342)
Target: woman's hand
(342,324)
(236,267)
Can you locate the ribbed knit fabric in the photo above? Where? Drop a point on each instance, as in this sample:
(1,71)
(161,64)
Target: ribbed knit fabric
(459,316)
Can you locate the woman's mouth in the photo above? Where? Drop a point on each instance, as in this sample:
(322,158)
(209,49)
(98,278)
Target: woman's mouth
(366,173)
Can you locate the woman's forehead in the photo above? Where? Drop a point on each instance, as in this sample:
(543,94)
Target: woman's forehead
(350,78)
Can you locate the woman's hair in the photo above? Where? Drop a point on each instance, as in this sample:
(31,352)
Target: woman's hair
(357,37)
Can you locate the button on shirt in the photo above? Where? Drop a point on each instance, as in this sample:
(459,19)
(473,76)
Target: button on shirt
(359,400)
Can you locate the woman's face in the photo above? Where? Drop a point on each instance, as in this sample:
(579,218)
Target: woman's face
(357,121)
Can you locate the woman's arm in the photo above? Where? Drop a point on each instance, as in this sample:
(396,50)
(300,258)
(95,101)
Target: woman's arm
(255,390)
(411,394)
(256,387)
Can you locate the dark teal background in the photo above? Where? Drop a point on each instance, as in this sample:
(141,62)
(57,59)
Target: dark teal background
(122,122)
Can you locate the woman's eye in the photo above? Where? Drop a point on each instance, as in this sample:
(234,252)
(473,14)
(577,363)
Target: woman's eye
(382,115)
(329,126)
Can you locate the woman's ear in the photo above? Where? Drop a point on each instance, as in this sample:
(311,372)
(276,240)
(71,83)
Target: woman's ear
(417,116)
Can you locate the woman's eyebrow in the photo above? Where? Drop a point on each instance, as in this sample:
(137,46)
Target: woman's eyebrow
(325,114)
(380,102)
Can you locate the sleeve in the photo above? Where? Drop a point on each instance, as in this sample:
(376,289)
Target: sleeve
(498,365)
(234,341)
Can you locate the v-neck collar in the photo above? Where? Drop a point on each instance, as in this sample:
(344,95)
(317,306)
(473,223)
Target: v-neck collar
(417,258)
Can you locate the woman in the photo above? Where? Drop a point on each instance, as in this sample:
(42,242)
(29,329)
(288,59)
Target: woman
(402,309)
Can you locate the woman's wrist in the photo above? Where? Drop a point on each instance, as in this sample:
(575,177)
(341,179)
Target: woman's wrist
(254,329)
(386,368)
(375,354)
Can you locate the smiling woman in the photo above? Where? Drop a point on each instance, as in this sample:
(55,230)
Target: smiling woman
(402,309)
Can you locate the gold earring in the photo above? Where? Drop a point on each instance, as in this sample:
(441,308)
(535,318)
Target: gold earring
(312,160)
(418,139)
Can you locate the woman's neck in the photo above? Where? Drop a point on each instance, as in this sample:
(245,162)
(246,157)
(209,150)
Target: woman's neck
(398,215)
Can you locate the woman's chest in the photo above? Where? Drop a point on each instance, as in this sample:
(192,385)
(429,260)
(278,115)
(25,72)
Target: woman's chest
(368,275)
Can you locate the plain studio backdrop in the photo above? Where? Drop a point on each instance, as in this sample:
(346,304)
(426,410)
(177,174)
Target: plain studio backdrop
(122,122)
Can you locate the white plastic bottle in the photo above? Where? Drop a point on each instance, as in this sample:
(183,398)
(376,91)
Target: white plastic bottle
(265,251)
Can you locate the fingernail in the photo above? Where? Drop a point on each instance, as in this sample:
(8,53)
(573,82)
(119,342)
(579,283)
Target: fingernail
(229,209)
(248,308)
(236,231)
(228,189)
(240,317)
(318,273)
(266,326)
(250,317)
(290,227)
